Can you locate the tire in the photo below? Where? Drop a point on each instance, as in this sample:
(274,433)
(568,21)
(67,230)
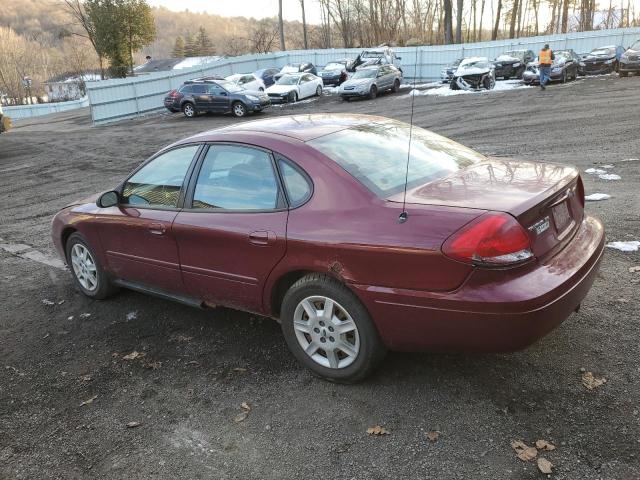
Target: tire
(396,86)
(293,97)
(373,92)
(318,91)
(506,77)
(365,350)
(189,110)
(453,85)
(96,285)
(238,109)
(564,76)
(261,89)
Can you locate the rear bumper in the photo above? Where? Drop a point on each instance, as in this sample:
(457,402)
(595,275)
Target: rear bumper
(493,310)
(629,67)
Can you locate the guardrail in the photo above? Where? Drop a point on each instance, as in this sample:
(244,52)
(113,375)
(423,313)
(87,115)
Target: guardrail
(20,112)
(131,97)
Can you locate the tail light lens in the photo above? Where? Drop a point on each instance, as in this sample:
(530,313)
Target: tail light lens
(174,94)
(493,239)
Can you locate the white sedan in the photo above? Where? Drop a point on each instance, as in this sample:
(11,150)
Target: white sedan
(247,81)
(292,87)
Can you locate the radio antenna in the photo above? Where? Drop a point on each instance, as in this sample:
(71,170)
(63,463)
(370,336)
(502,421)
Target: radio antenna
(404,215)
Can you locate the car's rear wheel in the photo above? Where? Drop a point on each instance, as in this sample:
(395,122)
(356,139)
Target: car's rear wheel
(87,272)
(189,110)
(329,331)
(396,86)
(238,109)
(564,76)
(318,91)
(373,92)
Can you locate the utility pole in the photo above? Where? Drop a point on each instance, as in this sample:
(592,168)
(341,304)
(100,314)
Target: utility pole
(304,26)
(281,26)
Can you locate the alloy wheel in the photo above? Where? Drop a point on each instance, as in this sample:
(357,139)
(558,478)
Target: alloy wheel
(84,267)
(239,110)
(326,332)
(188,110)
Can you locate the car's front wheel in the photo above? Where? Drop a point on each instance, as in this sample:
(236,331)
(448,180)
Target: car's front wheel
(373,92)
(396,86)
(238,109)
(293,97)
(87,272)
(329,331)
(318,91)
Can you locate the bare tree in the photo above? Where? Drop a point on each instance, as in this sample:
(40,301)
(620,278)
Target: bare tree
(448,21)
(496,27)
(77,11)
(460,5)
(304,26)
(281,26)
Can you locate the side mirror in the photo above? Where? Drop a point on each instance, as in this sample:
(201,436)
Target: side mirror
(108,199)
(398,58)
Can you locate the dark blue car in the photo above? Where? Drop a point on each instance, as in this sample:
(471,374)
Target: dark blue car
(266,75)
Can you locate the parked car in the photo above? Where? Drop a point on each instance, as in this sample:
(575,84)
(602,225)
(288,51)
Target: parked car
(266,75)
(564,67)
(447,72)
(218,96)
(377,56)
(335,73)
(370,81)
(295,86)
(513,63)
(247,81)
(630,60)
(305,67)
(601,60)
(474,73)
(301,224)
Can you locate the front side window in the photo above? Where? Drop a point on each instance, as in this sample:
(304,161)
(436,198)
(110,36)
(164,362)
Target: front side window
(376,155)
(158,183)
(236,178)
(216,90)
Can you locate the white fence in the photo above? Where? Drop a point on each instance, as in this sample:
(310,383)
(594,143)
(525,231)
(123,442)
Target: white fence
(130,97)
(20,112)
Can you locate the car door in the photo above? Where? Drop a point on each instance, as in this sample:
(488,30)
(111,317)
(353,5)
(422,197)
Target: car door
(232,231)
(308,85)
(202,97)
(220,101)
(136,234)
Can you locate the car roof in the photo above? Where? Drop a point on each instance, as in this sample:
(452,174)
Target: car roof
(300,127)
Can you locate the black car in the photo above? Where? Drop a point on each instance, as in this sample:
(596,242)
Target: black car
(512,64)
(219,96)
(266,75)
(335,73)
(630,60)
(304,67)
(601,60)
(447,72)
(564,68)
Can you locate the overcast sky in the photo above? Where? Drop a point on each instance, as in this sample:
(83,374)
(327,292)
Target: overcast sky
(246,8)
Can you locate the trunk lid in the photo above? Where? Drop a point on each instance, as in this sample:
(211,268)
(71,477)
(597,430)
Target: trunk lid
(547,199)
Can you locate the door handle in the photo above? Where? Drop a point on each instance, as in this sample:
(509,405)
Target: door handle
(262,238)
(157,228)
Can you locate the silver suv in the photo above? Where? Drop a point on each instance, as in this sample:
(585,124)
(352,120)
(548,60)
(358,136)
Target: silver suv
(369,81)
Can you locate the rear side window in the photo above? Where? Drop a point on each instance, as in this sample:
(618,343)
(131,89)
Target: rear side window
(236,178)
(297,185)
(158,183)
(185,89)
(200,88)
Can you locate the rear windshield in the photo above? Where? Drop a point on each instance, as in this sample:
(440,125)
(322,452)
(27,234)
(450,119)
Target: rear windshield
(376,155)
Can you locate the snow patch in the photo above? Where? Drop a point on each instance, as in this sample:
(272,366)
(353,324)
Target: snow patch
(445,91)
(607,166)
(630,246)
(609,176)
(132,316)
(594,171)
(596,197)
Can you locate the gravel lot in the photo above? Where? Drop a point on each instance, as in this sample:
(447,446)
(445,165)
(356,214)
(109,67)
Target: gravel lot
(199,366)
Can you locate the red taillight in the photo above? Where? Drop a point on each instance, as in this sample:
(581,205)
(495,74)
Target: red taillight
(173,94)
(494,239)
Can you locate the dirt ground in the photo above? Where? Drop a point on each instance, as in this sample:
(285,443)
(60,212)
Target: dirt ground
(200,366)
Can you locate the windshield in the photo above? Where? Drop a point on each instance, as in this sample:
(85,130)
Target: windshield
(564,55)
(372,55)
(369,73)
(376,155)
(635,46)
(230,86)
(476,64)
(290,68)
(519,54)
(288,80)
(602,51)
(334,66)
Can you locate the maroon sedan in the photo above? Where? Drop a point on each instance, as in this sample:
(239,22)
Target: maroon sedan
(301,218)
